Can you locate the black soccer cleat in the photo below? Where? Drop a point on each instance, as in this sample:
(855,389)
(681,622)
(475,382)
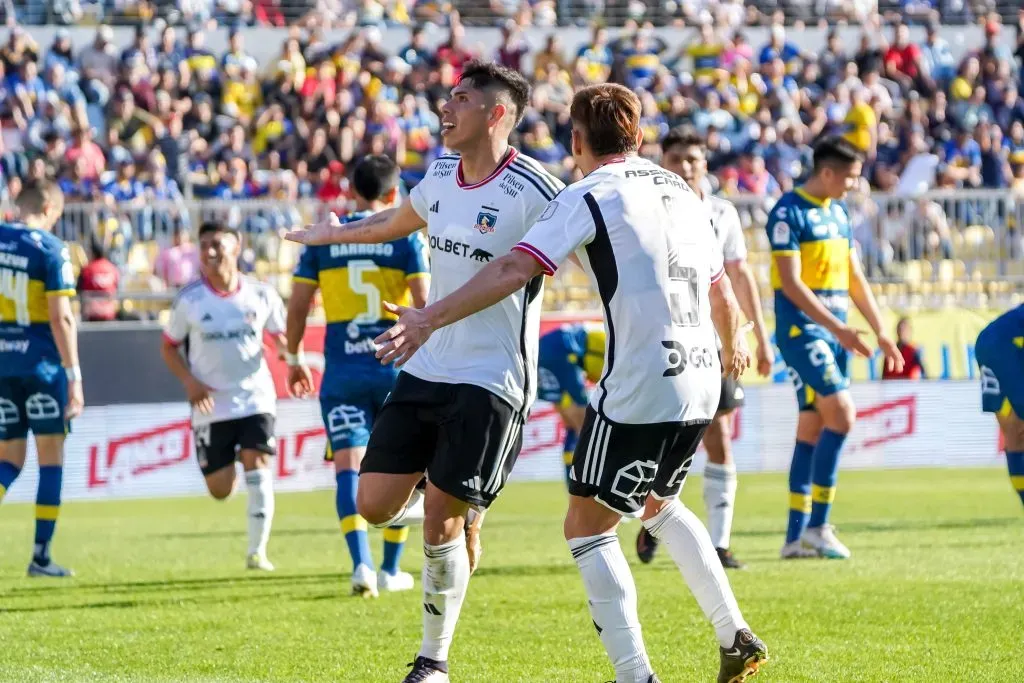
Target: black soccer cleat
(743,659)
(729,560)
(425,670)
(646,545)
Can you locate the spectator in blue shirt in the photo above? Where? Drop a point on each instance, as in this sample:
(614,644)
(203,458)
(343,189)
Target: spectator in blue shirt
(126,188)
(779,48)
(61,52)
(962,159)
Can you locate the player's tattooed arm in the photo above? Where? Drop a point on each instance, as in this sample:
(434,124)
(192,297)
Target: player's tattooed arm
(388,225)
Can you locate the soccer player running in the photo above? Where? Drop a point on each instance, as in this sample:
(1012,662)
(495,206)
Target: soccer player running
(815,274)
(356,280)
(1000,353)
(645,240)
(457,410)
(40,380)
(221,318)
(684,153)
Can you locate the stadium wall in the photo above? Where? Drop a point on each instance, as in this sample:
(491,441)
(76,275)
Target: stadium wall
(146,451)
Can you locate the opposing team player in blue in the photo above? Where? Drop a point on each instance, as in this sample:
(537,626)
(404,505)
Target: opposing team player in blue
(1000,353)
(40,380)
(568,356)
(355,280)
(815,274)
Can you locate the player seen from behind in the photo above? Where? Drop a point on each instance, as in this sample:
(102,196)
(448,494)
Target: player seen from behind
(457,410)
(815,274)
(685,154)
(645,240)
(1000,353)
(220,320)
(40,380)
(355,281)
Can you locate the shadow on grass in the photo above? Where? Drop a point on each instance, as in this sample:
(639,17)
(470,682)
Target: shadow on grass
(177,584)
(900,526)
(234,534)
(186,603)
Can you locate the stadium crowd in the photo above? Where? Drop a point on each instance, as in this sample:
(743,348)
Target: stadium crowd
(139,127)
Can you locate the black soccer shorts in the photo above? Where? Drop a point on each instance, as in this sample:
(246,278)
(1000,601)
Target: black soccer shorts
(218,444)
(732,394)
(465,438)
(620,464)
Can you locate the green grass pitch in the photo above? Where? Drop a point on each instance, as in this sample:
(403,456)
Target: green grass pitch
(934,592)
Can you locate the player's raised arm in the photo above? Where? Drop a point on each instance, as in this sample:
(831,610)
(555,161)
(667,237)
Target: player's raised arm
(864,300)
(388,225)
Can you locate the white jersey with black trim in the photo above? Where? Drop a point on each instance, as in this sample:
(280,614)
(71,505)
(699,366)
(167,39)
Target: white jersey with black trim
(645,239)
(224,337)
(467,226)
(725,221)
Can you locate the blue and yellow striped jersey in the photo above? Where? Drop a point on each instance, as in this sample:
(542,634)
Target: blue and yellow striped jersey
(819,232)
(586,343)
(355,280)
(34,265)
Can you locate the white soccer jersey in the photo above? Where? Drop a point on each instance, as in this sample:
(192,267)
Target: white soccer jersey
(224,333)
(645,240)
(726,222)
(467,226)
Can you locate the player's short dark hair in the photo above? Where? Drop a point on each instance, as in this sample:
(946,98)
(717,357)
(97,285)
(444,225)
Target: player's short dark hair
(682,136)
(213,226)
(608,115)
(374,176)
(496,78)
(36,197)
(836,151)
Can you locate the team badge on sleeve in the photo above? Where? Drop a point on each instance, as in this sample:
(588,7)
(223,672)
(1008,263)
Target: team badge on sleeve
(780,233)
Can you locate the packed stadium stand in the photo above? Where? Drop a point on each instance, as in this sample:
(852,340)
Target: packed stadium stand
(151,130)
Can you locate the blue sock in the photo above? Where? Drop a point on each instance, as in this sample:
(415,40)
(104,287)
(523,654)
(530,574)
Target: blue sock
(799,490)
(8,473)
(394,544)
(47,510)
(826,469)
(568,448)
(1015,463)
(352,525)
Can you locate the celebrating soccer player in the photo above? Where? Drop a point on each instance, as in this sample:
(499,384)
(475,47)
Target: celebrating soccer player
(646,242)
(1000,353)
(457,410)
(221,318)
(815,274)
(355,281)
(40,380)
(684,153)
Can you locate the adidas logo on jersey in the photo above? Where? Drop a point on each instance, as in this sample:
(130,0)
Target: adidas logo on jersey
(435,207)
(474,484)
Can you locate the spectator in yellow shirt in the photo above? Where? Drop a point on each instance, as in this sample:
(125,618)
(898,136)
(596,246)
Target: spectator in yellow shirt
(243,95)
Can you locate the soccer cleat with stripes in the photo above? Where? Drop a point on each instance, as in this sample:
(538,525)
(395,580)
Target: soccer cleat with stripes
(364,582)
(823,542)
(729,560)
(426,670)
(50,569)
(646,545)
(743,659)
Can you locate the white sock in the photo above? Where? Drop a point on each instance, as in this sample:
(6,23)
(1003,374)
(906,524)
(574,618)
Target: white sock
(445,579)
(720,501)
(690,547)
(412,513)
(261,509)
(611,595)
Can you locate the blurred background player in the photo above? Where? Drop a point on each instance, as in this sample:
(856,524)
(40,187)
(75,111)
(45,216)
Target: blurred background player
(568,357)
(815,273)
(355,281)
(221,318)
(913,364)
(684,152)
(1000,353)
(40,380)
